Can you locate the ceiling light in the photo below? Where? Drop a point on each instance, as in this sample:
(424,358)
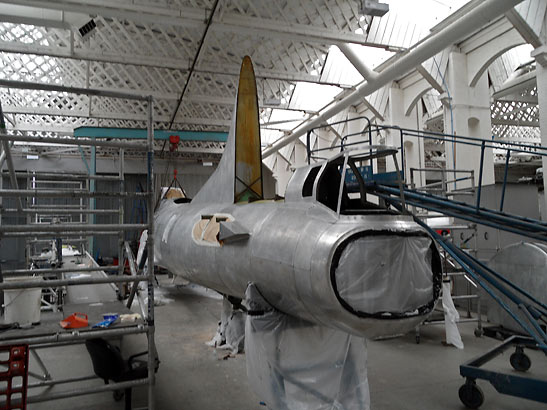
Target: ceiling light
(87,28)
(272,101)
(373,8)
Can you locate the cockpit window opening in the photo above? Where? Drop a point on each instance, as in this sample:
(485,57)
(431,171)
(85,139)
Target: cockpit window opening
(307,189)
(330,185)
(341,187)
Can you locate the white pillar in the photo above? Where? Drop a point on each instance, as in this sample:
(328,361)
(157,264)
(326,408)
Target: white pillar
(413,146)
(467,114)
(540,54)
(355,126)
(282,173)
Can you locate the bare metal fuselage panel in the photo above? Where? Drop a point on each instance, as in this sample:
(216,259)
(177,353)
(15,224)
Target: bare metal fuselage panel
(287,250)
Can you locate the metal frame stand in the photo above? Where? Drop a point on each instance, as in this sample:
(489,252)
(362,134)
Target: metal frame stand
(531,388)
(467,297)
(58,337)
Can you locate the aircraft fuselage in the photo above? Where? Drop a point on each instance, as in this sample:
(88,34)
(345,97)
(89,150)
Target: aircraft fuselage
(299,255)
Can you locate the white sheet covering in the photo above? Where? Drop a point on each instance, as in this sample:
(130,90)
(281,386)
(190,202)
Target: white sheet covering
(386,273)
(295,365)
(230,334)
(451,316)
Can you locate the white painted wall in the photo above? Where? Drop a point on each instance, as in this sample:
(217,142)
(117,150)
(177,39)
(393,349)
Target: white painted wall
(413,146)
(469,110)
(540,54)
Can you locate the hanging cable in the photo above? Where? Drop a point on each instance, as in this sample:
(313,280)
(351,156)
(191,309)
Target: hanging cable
(192,67)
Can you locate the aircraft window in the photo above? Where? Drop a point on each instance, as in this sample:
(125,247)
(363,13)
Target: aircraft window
(307,189)
(328,188)
(351,195)
(358,202)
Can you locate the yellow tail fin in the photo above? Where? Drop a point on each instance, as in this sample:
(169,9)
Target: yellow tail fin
(248,159)
(238,177)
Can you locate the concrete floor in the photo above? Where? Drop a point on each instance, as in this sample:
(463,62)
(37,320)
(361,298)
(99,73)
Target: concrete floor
(192,376)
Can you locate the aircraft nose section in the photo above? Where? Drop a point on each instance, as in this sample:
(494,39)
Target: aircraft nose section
(387,275)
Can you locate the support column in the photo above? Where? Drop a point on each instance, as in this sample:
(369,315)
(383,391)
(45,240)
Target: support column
(121,203)
(92,182)
(281,172)
(358,128)
(540,54)
(413,146)
(467,113)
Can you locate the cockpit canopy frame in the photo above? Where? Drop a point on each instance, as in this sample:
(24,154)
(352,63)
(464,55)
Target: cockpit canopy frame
(328,181)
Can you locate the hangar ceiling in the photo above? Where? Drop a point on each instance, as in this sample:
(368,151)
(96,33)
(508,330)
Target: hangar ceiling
(186,54)
(150,47)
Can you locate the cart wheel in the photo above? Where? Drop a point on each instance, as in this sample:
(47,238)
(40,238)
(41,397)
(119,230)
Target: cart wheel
(478,332)
(520,361)
(471,395)
(117,394)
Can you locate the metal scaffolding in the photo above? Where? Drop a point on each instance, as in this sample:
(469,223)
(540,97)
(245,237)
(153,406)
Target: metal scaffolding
(79,224)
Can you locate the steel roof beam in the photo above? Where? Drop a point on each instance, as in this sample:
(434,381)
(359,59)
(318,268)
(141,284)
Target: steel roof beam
(516,123)
(516,85)
(357,62)
(367,73)
(27,85)
(153,61)
(479,16)
(528,99)
(109,115)
(190,17)
(524,29)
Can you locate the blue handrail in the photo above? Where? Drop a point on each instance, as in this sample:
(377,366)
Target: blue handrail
(510,147)
(473,267)
(341,146)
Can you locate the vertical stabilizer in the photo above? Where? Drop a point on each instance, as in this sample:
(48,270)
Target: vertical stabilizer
(238,177)
(248,181)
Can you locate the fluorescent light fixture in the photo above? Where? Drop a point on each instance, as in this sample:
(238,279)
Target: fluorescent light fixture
(272,101)
(87,28)
(373,8)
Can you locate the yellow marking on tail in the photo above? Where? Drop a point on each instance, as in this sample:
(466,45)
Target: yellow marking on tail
(248,172)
